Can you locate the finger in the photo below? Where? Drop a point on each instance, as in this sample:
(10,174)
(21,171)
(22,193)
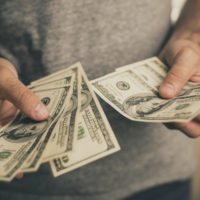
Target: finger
(17,93)
(7,112)
(195,77)
(7,109)
(185,64)
(6,121)
(191,129)
(19,176)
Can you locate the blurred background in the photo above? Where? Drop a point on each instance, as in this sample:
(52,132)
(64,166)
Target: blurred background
(176,8)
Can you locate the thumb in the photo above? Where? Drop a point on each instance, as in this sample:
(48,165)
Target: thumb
(184,65)
(17,93)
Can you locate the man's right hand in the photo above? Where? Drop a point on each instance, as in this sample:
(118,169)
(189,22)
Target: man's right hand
(15,95)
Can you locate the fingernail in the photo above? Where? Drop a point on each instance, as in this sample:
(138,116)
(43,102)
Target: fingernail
(41,111)
(168,89)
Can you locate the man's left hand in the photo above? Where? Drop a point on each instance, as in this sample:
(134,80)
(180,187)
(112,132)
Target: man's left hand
(183,55)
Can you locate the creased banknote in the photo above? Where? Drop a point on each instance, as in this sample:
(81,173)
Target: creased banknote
(133,91)
(94,138)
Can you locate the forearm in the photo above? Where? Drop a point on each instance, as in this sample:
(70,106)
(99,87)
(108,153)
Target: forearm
(188,25)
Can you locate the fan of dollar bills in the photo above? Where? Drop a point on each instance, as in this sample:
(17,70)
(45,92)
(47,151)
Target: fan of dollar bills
(76,133)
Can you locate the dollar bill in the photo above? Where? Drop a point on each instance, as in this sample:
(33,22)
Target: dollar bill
(155,61)
(94,138)
(31,165)
(133,92)
(63,136)
(60,83)
(21,137)
(62,74)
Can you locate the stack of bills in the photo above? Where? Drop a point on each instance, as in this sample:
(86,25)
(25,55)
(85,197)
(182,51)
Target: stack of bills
(132,90)
(76,133)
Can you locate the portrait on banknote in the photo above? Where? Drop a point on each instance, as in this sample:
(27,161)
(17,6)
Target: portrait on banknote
(144,104)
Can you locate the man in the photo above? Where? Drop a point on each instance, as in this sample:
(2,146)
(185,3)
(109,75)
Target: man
(40,37)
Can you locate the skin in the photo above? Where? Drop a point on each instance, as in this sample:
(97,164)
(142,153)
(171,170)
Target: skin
(182,53)
(15,95)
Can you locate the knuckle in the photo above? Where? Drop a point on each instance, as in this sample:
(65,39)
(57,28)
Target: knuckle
(4,74)
(191,52)
(174,77)
(25,95)
(194,37)
(12,83)
(7,68)
(8,85)
(187,49)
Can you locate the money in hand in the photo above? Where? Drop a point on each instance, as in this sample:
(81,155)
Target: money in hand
(76,133)
(133,91)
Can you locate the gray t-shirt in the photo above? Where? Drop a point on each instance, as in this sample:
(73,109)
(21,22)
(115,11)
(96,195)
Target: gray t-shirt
(41,36)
